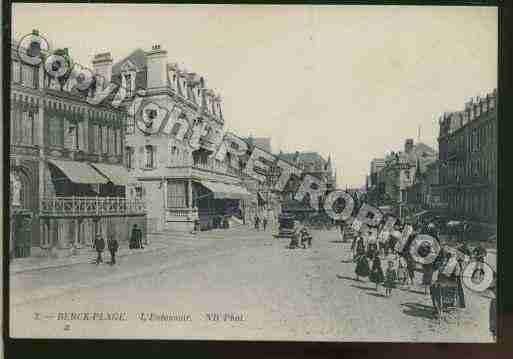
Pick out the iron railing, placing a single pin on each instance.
(91, 206)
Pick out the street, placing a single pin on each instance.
(259, 290)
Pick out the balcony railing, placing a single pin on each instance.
(181, 214)
(91, 206)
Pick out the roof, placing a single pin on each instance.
(304, 157)
(137, 57)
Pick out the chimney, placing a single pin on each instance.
(156, 61)
(408, 145)
(102, 65)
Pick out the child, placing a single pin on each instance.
(376, 274)
(390, 278)
(401, 271)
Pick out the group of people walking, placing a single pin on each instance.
(300, 237)
(135, 242)
(257, 222)
(445, 291)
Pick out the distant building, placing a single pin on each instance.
(262, 142)
(468, 158)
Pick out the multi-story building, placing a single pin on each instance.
(425, 192)
(400, 169)
(175, 121)
(468, 158)
(313, 164)
(66, 167)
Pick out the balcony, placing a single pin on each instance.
(181, 214)
(91, 207)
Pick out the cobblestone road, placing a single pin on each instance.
(281, 294)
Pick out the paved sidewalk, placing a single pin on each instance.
(156, 241)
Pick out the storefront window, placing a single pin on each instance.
(56, 131)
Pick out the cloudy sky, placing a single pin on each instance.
(350, 81)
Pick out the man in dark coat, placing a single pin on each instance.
(113, 246)
(99, 245)
(136, 238)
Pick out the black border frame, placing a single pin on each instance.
(72, 347)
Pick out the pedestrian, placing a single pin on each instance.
(113, 246)
(479, 253)
(493, 314)
(362, 264)
(99, 245)
(376, 274)
(306, 238)
(390, 279)
(402, 274)
(358, 246)
(427, 276)
(257, 223)
(410, 267)
(372, 250)
(342, 228)
(264, 223)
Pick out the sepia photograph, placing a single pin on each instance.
(312, 173)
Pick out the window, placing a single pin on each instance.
(16, 71)
(176, 194)
(150, 157)
(129, 157)
(28, 76)
(105, 139)
(130, 125)
(138, 193)
(56, 131)
(175, 129)
(128, 79)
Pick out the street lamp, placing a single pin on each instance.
(272, 175)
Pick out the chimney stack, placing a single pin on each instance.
(102, 65)
(156, 61)
(408, 145)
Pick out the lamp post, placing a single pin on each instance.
(272, 175)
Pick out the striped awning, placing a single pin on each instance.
(226, 191)
(118, 175)
(79, 172)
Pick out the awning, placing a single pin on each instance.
(226, 191)
(79, 172)
(116, 174)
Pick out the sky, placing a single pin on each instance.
(352, 82)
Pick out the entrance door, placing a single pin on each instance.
(22, 235)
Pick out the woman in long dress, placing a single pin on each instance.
(376, 275)
(362, 265)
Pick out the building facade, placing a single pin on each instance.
(398, 173)
(66, 167)
(468, 157)
(175, 124)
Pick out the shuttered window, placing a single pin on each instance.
(176, 194)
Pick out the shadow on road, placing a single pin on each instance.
(364, 288)
(419, 310)
(346, 261)
(380, 295)
(348, 278)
